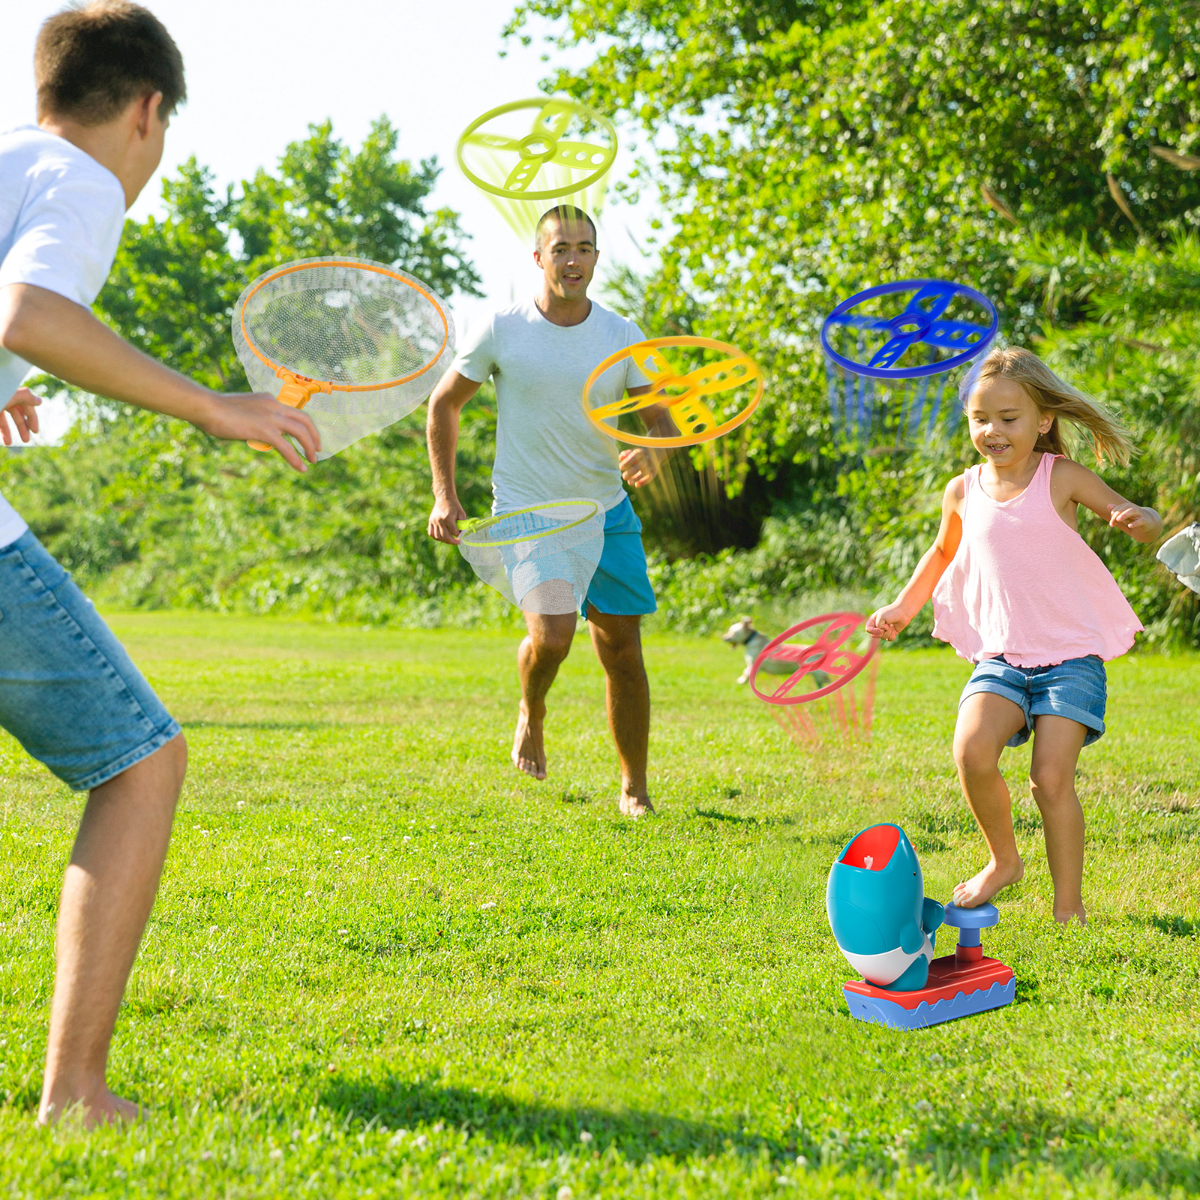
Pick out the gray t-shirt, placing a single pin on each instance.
(546, 448)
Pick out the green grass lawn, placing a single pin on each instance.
(382, 964)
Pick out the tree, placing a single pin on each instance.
(159, 512)
(805, 148)
(1137, 348)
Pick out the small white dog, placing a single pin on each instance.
(742, 633)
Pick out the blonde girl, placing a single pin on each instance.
(1018, 592)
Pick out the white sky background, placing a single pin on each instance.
(260, 71)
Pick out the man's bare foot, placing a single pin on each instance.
(636, 806)
(1067, 913)
(528, 752)
(979, 889)
(107, 1108)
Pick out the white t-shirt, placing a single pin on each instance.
(61, 216)
(546, 448)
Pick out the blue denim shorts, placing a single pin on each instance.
(69, 693)
(1077, 688)
(621, 584)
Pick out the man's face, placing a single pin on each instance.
(567, 256)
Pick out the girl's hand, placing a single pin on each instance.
(887, 622)
(23, 410)
(1142, 524)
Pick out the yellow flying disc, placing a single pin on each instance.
(688, 392)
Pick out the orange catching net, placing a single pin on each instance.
(355, 343)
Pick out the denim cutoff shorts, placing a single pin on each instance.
(1077, 688)
(69, 693)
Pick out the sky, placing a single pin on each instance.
(260, 71)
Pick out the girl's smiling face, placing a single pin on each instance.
(1004, 421)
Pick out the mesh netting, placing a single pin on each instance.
(542, 558)
(379, 337)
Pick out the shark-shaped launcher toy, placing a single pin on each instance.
(885, 925)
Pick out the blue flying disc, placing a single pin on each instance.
(920, 321)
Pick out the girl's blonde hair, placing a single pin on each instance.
(1108, 437)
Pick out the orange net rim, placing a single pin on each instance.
(358, 265)
(689, 439)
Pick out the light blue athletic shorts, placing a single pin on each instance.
(68, 691)
(621, 584)
(1076, 688)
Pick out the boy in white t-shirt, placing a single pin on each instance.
(108, 76)
(539, 355)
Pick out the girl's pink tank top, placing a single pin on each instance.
(1025, 584)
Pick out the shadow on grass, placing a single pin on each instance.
(1075, 1146)
(715, 814)
(635, 1134)
(1171, 925)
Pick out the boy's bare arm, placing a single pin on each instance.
(886, 622)
(65, 339)
(441, 433)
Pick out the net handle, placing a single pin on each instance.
(476, 523)
(281, 370)
(297, 391)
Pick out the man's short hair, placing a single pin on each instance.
(92, 59)
(564, 214)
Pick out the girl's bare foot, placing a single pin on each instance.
(528, 752)
(994, 878)
(1066, 913)
(107, 1108)
(635, 806)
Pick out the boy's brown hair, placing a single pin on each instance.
(92, 59)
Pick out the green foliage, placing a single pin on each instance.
(804, 148)
(807, 148)
(382, 964)
(1137, 351)
(151, 511)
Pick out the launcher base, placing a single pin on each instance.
(955, 989)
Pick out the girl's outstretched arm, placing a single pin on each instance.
(1073, 483)
(886, 622)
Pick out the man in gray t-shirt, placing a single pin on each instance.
(539, 354)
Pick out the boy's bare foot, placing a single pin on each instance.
(1067, 913)
(528, 752)
(636, 806)
(105, 1109)
(979, 889)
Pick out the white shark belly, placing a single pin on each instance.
(885, 968)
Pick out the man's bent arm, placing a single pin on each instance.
(441, 433)
(64, 339)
